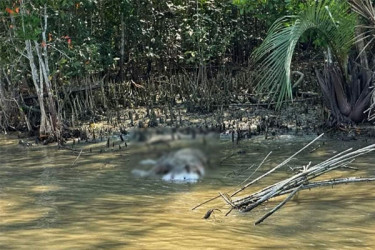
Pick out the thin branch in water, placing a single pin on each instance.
(205, 202)
(262, 176)
(278, 166)
(279, 206)
(332, 182)
(77, 157)
(265, 158)
(227, 199)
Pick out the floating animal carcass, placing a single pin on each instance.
(185, 165)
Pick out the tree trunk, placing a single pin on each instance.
(336, 97)
(49, 124)
(2, 95)
(45, 127)
(3, 108)
(122, 48)
(46, 73)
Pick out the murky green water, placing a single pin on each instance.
(45, 203)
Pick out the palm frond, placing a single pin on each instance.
(365, 9)
(334, 23)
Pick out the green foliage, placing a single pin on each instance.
(334, 25)
(269, 10)
(208, 33)
(84, 37)
(159, 35)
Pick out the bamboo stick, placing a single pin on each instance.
(297, 182)
(278, 206)
(264, 175)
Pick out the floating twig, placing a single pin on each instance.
(264, 175)
(278, 206)
(300, 181)
(77, 158)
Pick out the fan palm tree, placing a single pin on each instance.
(365, 40)
(365, 9)
(334, 24)
(345, 86)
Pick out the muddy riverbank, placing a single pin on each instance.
(235, 122)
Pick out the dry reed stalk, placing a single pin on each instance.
(295, 183)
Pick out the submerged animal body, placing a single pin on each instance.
(182, 165)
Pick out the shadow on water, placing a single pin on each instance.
(98, 204)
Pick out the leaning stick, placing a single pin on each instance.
(264, 175)
(275, 190)
(285, 186)
(332, 182)
(77, 158)
(227, 199)
(299, 181)
(280, 188)
(280, 205)
(265, 158)
(205, 202)
(277, 167)
(309, 186)
(214, 198)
